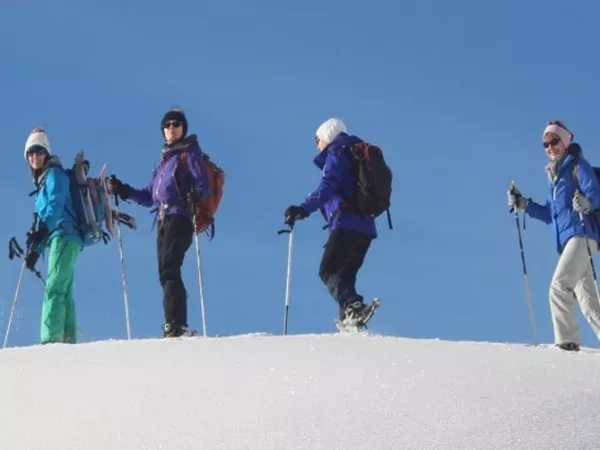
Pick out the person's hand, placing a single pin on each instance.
(294, 213)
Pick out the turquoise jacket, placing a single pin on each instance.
(54, 204)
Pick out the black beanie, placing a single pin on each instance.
(174, 114)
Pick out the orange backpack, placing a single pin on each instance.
(204, 211)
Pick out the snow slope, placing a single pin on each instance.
(298, 392)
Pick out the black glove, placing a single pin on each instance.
(31, 260)
(117, 187)
(34, 238)
(294, 213)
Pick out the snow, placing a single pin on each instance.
(298, 392)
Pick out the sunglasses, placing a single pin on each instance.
(36, 150)
(317, 140)
(175, 123)
(554, 141)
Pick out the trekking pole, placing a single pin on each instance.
(14, 305)
(200, 280)
(14, 249)
(525, 274)
(124, 278)
(289, 231)
(587, 243)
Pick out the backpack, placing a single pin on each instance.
(91, 202)
(374, 180)
(203, 213)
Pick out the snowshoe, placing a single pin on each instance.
(357, 314)
(174, 331)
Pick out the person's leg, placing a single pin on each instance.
(587, 294)
(70, 256)
(60, 274)
(343, 256)
(571, 268)
(179, 232)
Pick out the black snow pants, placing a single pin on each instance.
(175, 234)
(344, 255)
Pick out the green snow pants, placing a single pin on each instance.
(59, 323)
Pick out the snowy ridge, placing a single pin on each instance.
(298, 392)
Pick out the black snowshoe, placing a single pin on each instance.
(174, 331)
(356, 316)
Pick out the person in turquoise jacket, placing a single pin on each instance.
(573, 197)
(57, 231)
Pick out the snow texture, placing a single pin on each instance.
(298, 392)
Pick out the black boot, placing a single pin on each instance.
(569, 346)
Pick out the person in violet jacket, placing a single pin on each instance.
(350, 233)
(172, 189)
(573, 197)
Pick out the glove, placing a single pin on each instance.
(35, 238)
(117, 187)
(31, 260)
(580, 203)
(294, 213)
(516, 200)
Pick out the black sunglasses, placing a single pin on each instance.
(35, 150)
(554, 141)
(175, 123)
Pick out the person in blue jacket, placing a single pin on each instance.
(573, 197)
(57, 230)
(179, 181)
(350, 233)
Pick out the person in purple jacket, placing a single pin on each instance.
(350, 233)
(172, 188)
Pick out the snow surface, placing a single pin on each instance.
(298, 392)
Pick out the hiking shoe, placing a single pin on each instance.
(569, 346)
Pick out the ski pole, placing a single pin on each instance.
(14, 305)
(289, 231)
(15, 250)
(200, 280)
(587, 243)
(525, 274)
(124, 279)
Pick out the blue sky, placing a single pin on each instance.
(456, 93)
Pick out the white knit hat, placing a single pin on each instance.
(330, 129)
(37, 137)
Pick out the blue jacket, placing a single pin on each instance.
(558, 209)
(54, 204)
(168, 185)
(338, 184)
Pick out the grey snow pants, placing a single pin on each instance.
(573, 274)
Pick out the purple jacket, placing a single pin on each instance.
(338, 184)
(169, 183)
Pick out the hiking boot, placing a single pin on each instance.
(170, 330)
(569, 346)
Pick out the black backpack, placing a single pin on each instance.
(374, 181)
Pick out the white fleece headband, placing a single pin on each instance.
(564, 135)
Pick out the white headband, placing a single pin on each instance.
(564, 135)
